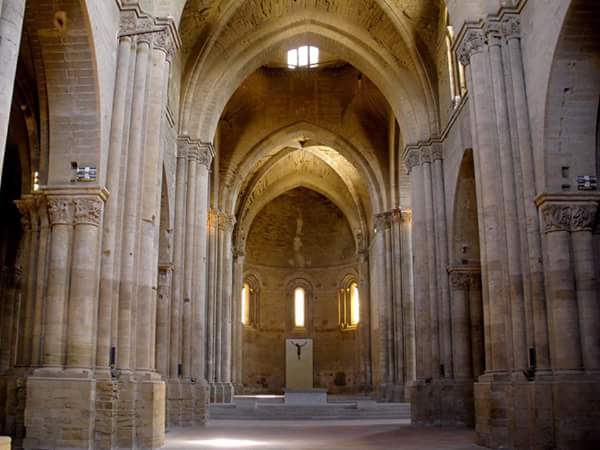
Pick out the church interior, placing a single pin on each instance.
(287, 224)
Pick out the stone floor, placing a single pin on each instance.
(320, 435)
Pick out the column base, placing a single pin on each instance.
(221, 392)
(71, 402)
(174, 403)
(200, 395)
(441, 402)
(150, 412)
(107, 403)
(390, 393)
(555, 410)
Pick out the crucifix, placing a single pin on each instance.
(299, 348)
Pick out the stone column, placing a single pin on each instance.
(582, 223)
(199, 308)
(477, 323)
(165, 275)
(420, 387)
(189, 262)
(364, 330)
(83, 298)
(211, 307)
(237, 342)
(108, 290)
(461, 338)
(562, 305)
(380, 258)
(11, 25)
(398, 294)
(517, 357)
(430, 228)
(441, 242)
(41, 281)
(423, 369)
(473, 53)
(528, 175)
(60, 214)
(226, 305)
(30, 239)
(145, 321)
(408, 304)
(131, 217)
(178, 260)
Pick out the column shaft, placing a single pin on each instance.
(518, 356)
(434, 300)
(111, 212)
(129, 256)
(442, 260)
(189, 262)
(178, 255)
(534, 250)
(60, 212)
(83, 298)
(150, 214)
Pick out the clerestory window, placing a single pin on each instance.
(305, 56)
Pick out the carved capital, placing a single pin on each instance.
(583, 217)
(88, 211)
(556, 217)
(383, 221)
(472, 42)
(460, 281)
(413, 159)
(494, 32)
(205, 154)
(511, 27)
(407, 215)
(426, 155)
(437, 153)
(60, 211)
(226, 222)
(29, 213)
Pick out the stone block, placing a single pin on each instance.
(60, 413)
(150, 414)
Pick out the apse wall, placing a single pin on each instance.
(300, 239)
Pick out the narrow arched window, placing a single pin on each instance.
(246, 304)
(354, 304)
(299, 308)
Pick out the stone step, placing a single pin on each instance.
(334, 411)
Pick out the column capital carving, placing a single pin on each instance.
(213, 218)
(494, 31)
(383, 221)
(437, 153)
(28, 207)
(568, 212)
(412, 160)
(460, 281)
(206, 153)
(88, 211)
(407, 215)
(160, 32)
(426, 155)
(60, 210)
(226, 221)
(472, 42)
(511, 25)
(195, 150)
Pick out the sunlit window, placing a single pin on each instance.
(299, 308)
(305, 56)
(354, 305)
(246, 304)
